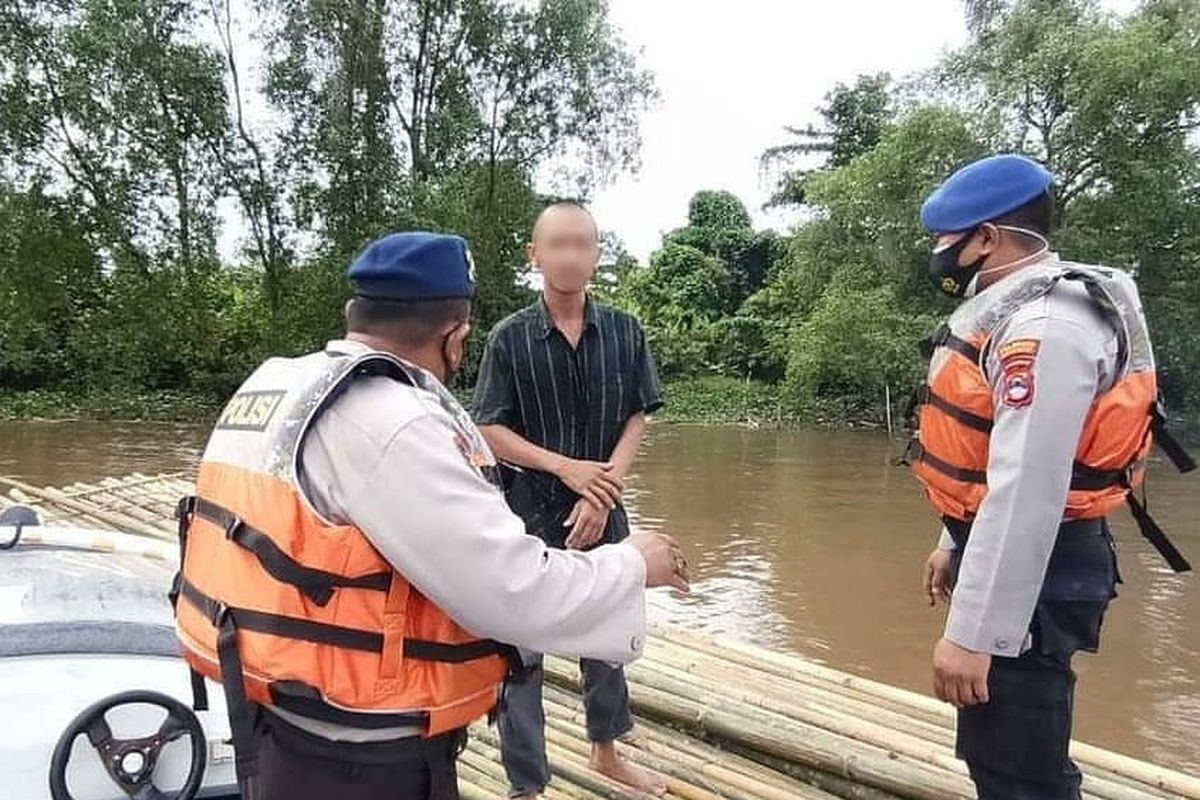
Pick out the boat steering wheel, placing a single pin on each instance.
(131, 762)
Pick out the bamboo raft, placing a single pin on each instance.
(719, 717)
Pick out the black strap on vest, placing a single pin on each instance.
(1154, 534)
(199, 688)
(280, 625)
(1168, 443)
(926, 396)
(943, 337)
(918, 453)
(1083, 477)
(199, 692)
(316, 584)
(241, 712)
(1090, 479)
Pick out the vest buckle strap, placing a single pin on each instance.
(217, 613)
(1167, 442)
(185, 507)
(232, 526)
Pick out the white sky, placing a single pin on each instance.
(732, 75)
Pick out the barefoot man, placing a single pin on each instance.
(563, 393)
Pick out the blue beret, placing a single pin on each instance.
(414, 266)
(982, 191)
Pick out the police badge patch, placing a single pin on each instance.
(1016, 365)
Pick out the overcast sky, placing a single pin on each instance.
(731, 75)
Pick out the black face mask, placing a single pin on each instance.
(946, 273)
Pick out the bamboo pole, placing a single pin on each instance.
(892, 741)
(128, 494)
(564, 763)
(485, 743)
(799, 669)
(754, 657)
(1174, 783)
(474, 768)
(134, 479)
(772, 733)
(694, 776)
(568, 738)
(822, 700)
(51, 515)
(106, 497)
(653, 735)
(1103, 783)
(54, 497)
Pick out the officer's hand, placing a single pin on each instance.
(937, 576)
(960, 676)
(587, 525)
(594, 481)
(665, 562)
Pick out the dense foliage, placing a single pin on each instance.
(129, 133)
(1110, 104)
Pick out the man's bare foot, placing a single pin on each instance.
(607, 762)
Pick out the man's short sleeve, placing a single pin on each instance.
(649, 388)
(495, 394)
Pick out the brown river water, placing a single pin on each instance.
(810, 542)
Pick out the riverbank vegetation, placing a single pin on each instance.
(833, 313)
(135, 147)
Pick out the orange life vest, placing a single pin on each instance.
(290, 610)
(949, 453)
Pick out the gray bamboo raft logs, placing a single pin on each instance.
(718, 717)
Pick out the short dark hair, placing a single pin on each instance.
(577, 205)
(1036, 215)
(412, 322)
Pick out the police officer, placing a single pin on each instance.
(350, 566)
(1035, 423)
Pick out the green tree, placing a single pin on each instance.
(857, 344)
(866, 215)
(719, 226)
(113, 98)
(51, 279)
(475, 95)
(854, 121)
(1111, 105)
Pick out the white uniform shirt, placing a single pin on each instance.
(1032, 449)
(385, 458)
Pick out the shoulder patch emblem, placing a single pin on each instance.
(1019, 348)
(476, 458)
(1016, 364)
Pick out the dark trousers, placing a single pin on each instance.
(1016, 745)
(605, 693)
(523, 722)
(295, 765)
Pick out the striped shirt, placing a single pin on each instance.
(570, 400)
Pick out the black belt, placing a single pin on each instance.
(960, 531)
(379, 753)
